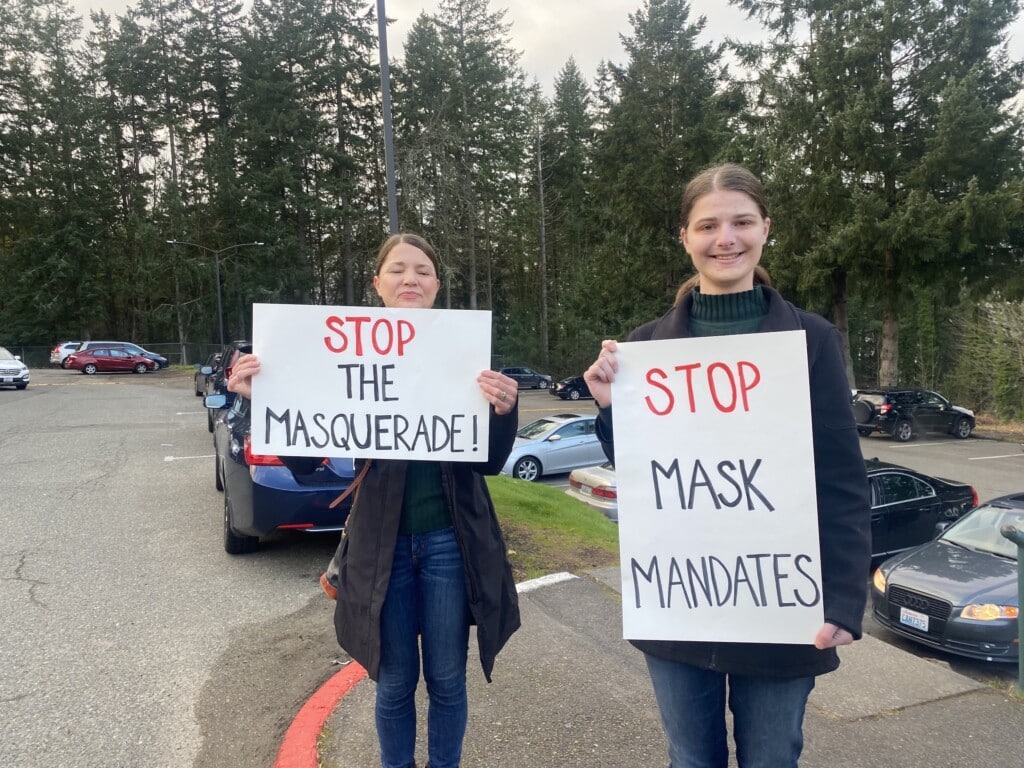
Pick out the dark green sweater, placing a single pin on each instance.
(423, 507)
(727, 313)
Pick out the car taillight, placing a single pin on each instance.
(886, 407)
(259, 459)
(575, 483)
(606, 492)
(974, 497)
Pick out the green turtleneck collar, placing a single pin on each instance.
(727, 313)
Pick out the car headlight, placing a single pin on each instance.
(878, 580)
(989, 612)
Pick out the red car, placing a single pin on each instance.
(109, 360)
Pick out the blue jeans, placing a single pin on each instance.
(426, 602)
(768, 714)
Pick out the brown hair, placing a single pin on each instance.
(416, 241)
(732, 178)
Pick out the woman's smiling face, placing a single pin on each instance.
(407, 278)
(724, 237)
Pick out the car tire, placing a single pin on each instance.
(527, 468)
(218, 478)
(20, 386)
(233, 543)
(141, 368)
(963, 428)
(156, 365)
(209, 420)
(574, 395)
(64, 363)
(199, 392)
(89, 369)
(542, 384)
(863, 412)
(865, 431)
(903, 431)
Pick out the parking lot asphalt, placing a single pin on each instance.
(569, 691)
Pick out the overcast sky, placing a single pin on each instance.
(548, 32)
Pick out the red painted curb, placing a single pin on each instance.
(298, 749)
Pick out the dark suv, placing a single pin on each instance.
(527, 377)
(902, 412)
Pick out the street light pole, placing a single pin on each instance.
(385, 91)
(216, 269)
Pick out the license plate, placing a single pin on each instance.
(914, 619)
(586, 490)
(7, 380)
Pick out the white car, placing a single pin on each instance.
(554, 444)
(595, 486)
(13, 372)
(59, 355)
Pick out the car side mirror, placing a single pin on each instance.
(206, 370)
(216, 401)
(554, 438)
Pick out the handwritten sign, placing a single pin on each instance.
(718, 527)
(370, 382)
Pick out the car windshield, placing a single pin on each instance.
(979, 530)
(538, 429)
(5, 354)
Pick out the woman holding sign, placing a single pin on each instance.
(725, 225)
(422, 556)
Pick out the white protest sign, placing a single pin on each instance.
(370, 382)
(714, 464)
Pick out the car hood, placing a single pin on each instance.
(964, 411)
(523, 441)
(953, 573)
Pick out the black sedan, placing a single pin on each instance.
(261, 494)
(572, 388)
(909, 508)
(959, 592)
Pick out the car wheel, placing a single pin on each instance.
(527, 468)
(218, 478)
(20, 386)
(862, 412)
(156, 365)
(574, 395)
(543, 384)
(64, 363)
(963, 428)
(233, 543)
(865, 431)
(209, 420)
(141, 368)
(903, 431)
(89, 368)
(199, 392)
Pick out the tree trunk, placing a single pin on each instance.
(888, 363)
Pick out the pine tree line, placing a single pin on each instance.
(886, 132)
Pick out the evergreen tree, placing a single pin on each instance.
(669, 116)
(894, 163)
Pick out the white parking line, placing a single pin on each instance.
(1003, 456)
(930, 443)
(187, 458)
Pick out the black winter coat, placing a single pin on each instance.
(844, 508)
(368, 547)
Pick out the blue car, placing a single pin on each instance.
(261, 494)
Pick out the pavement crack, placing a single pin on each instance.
(20, 577)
